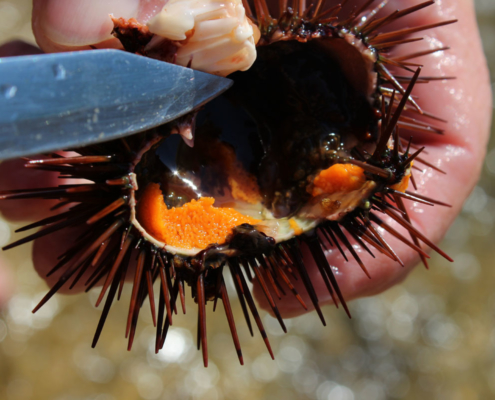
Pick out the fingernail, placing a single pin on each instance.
(80, 23)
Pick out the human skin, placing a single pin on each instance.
(61, 25)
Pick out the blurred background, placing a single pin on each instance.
(432, 337)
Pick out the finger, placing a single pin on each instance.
(14, 176)
(64, 24)
(18, 48)
(46, 255)
(61, 25)
(466, 104)
(10, 49)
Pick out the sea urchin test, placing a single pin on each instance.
(305, 149)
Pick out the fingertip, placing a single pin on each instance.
(72, 24)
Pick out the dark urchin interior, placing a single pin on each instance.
(294, 112)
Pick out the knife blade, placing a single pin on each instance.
(57, 101)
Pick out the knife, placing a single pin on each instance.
(67, 100)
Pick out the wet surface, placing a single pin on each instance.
(432, 337)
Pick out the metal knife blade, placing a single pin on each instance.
(67, 100)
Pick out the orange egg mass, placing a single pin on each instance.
(338, 178)
(403, 184)
(196, 224)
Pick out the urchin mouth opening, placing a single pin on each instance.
(301, 108)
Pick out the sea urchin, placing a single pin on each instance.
(304, 149)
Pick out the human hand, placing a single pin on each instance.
(61, 25)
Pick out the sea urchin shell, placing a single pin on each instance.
(305, 148)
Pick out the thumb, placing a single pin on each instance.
(61, 25)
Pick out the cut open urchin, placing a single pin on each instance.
(305, 148)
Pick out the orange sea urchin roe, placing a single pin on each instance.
(403, 184)
(196, 224)
(243, 185)
(338, 178)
